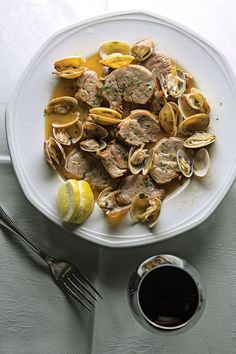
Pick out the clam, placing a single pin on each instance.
(199, 139)
(117, 60)
(192, 124)
(70, 68)
(114, 47)
(105, 116)
(141, 50)
(140, 159)
(145, 209)
(61, 105)
(92, 145)
(173, 84)
(201, 163)
(193, 103)
(185, 163)
(169, 117)
(54, 153)
(107, 201)
(68, 133)
(92, 130)
(115, 54)
(92, 137)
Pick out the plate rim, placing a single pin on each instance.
(117, 242)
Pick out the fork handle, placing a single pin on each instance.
(6, 221)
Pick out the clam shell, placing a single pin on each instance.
(111, 47)
(68, 133)
(107, 201)
(61, 105)
(168, 119)
(54, 153)
(105, 116)
(201, 163)
(94, 131)
(145, 209)
(70, 68)
(140, 159)
(192, 124)
(197, 101)
(117, 60)
(185, 163)
(142, 50)
(91, 145)
(173, 85)
(193, 103)
(199, 139)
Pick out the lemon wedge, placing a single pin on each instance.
(75, 201)
(86, 204)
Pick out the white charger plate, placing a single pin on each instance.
(182, 210)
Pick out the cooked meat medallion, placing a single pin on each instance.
(131, 83)
(140, 127)
(159, 64)
(82, 165)
(114, 159)
(132, 185)
(165, 167)
(87, 86)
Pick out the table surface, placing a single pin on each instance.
(36, 317)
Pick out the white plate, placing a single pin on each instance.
(182, 210)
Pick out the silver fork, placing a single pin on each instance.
(68, 277)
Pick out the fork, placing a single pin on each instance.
(68, 277)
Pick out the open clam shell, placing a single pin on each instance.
(140, 159)
(107, 201)
(61, 105)
(173, 85)
(54, 153)
(192, 124)
(199, 139)
(70, 68)
(92, 145)
(145, 209)
(112, 47)
(193, 103)
(185, 163)
(105, 116)
(68, 133)
(201, 163)
(93, 130)
(142, 49)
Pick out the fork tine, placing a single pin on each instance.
(75, 296)
(76, 279)
(81, 275)
(79, 291)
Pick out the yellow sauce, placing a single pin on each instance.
(65, 87)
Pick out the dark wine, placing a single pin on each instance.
(168, 296)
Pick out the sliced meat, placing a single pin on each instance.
(87, 86)
(82, 165)
(132, 185)
(131, 83)
(159, 64)
(157, 102)
(115, 159)
(140, 127)
(165, 167)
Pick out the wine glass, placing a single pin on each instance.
(166, 294)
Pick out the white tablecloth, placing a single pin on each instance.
(35, 316)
